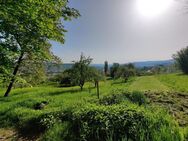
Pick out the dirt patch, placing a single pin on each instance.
(7, 134)
(175, 102)
(13, 135)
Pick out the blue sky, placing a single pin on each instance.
(115, 31)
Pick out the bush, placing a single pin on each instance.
(56, 133)
(136, 97)
(64, 79)
(120, 96)
(182, 59)
(185, 131)
(120, 122)
(38, 125)
(111, 99)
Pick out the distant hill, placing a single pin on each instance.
(141, 64)
(152, 63)
(54, 69)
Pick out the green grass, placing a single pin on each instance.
(18, 108)
(145, 83)
(177, 82)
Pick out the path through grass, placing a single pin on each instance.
(146, 83)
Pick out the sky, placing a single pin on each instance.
(124, 31)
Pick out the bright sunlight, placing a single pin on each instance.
(152, 8)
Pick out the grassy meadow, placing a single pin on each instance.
(22, 109)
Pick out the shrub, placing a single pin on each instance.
(120, 96)
(64, 78)
(118, 122)
(182, 59)
(185, 131)
(56, 133)
(48, 120)
(66, 81)
(136, 97)
(38, 124)
(31, 126)
(111, 99)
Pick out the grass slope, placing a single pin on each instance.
(177, 82)
(19, 106)
(146, 83)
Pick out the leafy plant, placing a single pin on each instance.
(98, 123)
(182, 59)
(136, 97)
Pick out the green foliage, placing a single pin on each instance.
(106, 68)
(56, 133)
(114, 69)
(95, 75)
(182, 59)
(80, 71)
(48, 120)
(136, 97)
(120, 96)
(19, 110)
(123, 71)
(26, 26)
(64, 79)
(68, 77)
(118, 122)
(111, 99)
(185, 131)
(7, 55)
(36, 74)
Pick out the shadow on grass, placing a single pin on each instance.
(181, 74)
(118, 82)
(30, 131)
(70, 91)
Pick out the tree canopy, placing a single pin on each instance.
(81, 71)
(27, 26)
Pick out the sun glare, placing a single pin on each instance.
(152, 8)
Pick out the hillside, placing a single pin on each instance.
(23, 107)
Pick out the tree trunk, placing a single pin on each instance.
(14, 75)
(81, 87)
(81, 84)
(97, 89)
(95, 84)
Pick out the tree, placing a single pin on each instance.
(64, 78)
(106, 68)
(7, 57)
(181, 58)
(114, 69)
(29, 25)
(125, 72)
(36, 73)
(130, 66)
(95, 75)
(81, 71)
